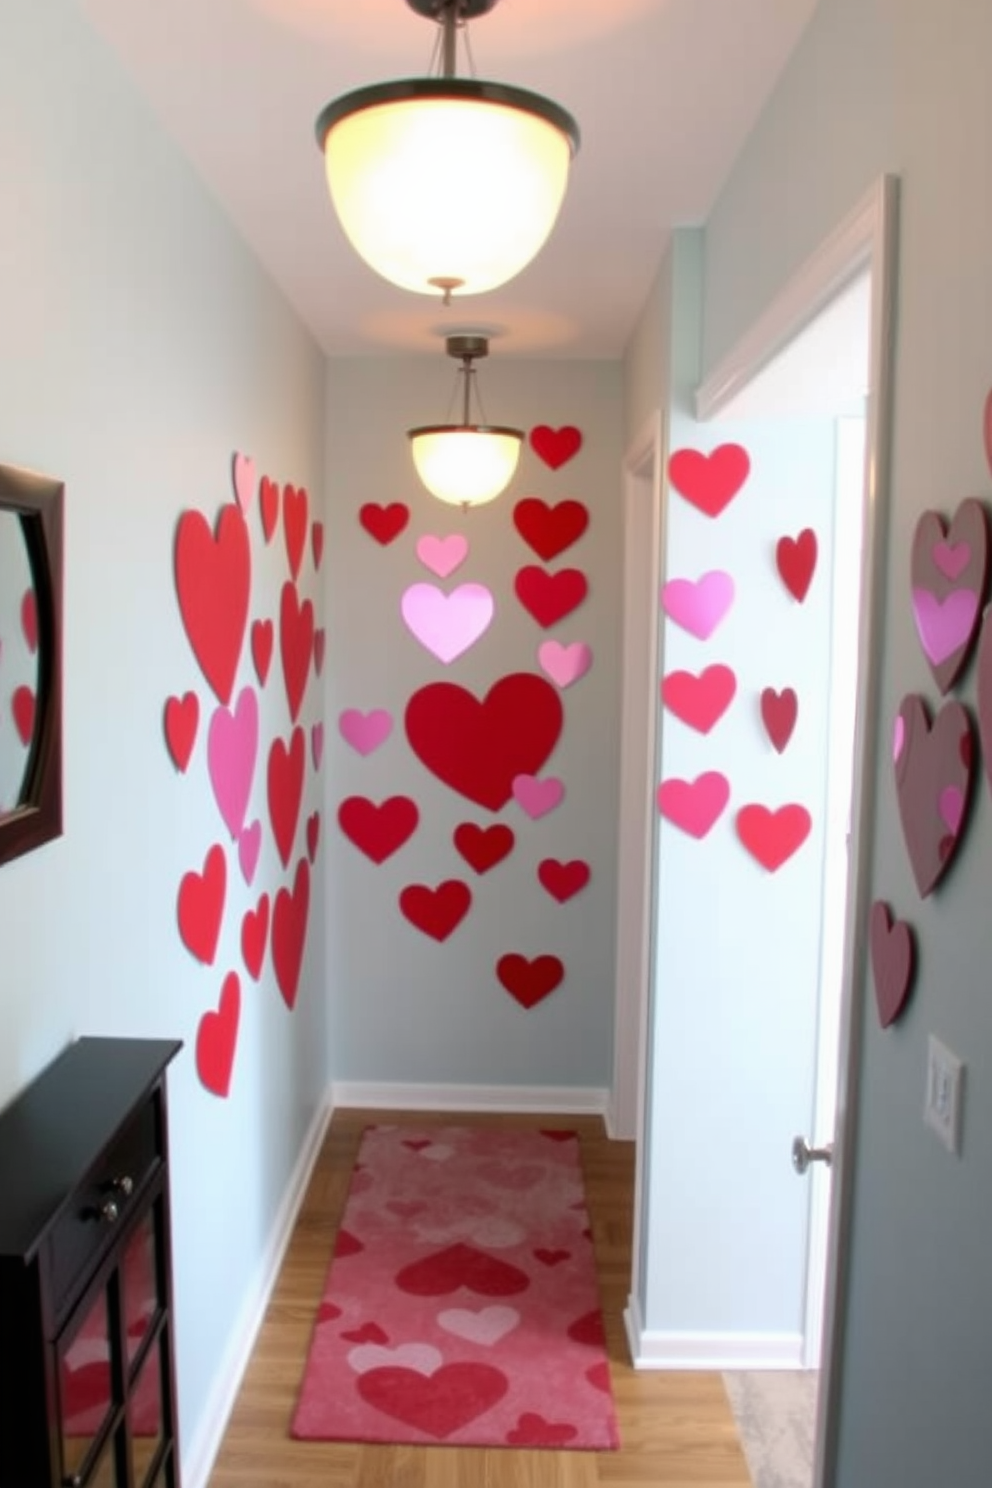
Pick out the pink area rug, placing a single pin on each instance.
(461, 1305)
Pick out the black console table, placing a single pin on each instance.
(87, 1372)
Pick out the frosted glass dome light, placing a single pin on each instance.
(466, 464)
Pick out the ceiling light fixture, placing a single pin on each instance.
(445, 184)
(466, 464)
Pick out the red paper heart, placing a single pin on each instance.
(892, 962)
(317, 542)
(213, 580)
(555, 446)
(533, 1430)
(289, 931)
(22, 707)
(563, 880)
(384, 523)
(254, 935)
(779, 711)
(29, 619)
(552, 1257)
(319, 638)
(478, 748)
(549, 530)
(437, 912)
(550, 597)
(201, 906)
(268, 501)
(285, 790)
(444, 1271)
(294, 526)
(295, 645)
(700, 701)
(436, 1404)
(773, 836)
(313, 834)
(182, 718)
(261, 648)
(796, 561)
(378, 831)
(217, 1037)
(529, 982)
(483, 847)
(710, 481)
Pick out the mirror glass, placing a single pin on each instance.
(18, 661)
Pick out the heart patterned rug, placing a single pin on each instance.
(462, 1305)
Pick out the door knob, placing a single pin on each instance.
(803, 1154)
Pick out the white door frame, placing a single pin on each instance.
(866, 239)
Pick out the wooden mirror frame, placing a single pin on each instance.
(37, 817)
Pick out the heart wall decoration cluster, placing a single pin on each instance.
(770, 833)
(491, 748)
(18, 677)
(259, 655)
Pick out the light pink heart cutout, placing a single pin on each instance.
(447, 624)
(249, 847)
(694, 805)
(244, 481)
(944, 626)
(951, 558)
(365, 731)
(537, 797)
(232, 747)
(317, 744)
(564, 664)
(699, 605)
(442, 555)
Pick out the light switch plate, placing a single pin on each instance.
(944, 1094)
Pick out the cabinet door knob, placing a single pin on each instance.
(110, 1211)
(124, 1185)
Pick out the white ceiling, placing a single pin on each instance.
(664, 92)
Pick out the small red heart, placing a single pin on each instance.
(529, 982)
(254, 936)
(182, 718)
(563, 880)
(378, 831)
(285, 790)
(552, 1257)
(201, 906)
(700, 701)
(444, 1271)
(319, 640)
(295, 645)
(589, 1329)
(347, 1244)
(216, 1039)
(779, 711)
(892, 962)
(550, 597)
(773, 836)
(327, 1312)
(368, 1333)
(437, 912)
(313, 834)
(549, 530)
(796, 560)
(384, 523)
(289, 929)
(483, 847)
(317, 542)
(262, 633)
(294, 523)
(269, 505)
(555, 446)
(29, 619)
(533, 1430)
(710, 481)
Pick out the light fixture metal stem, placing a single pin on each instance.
(449, 23)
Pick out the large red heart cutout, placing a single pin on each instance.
(384, 523)
(437, 912)
(201, 906)
(289, 932)
(933, 766)
(948, 576)
(268, 501)
(217, 1037)
(529, 982)
(294, 526)
(378, 831)
(563, 880)
(710, 482)
(479, 748)
(773, 836)
(285, 790)
(261, 648)
(444, 1271)
(795, 558)
(254, 936)
(483, 847)
(437, 1404)
(779, 711)
(700, 701)
(550, 597)
(555, 446)
(548, 529)
(213, 581)
(182, 718)
(892, 962)
(295, 645)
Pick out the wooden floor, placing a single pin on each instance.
(677, 1430)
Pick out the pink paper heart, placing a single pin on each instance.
(365, 731)
(564, 664)
(244, 481)
(232, 746)
(249, 846)
(317, 744)
(442, 555)
(694, 805)
(944, 626)
(447, 624)
(952, 558)
(537, 797)
(699, 605)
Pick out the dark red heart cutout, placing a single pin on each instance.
(201, 906)
(289, 932)
(384, 523)
(533, 1430)
(182, 718)
(213, 581)
(478, 748)
(22, 708)
(710, 482)
(294, 526)
(254, 937)
(378, 831)
(444, 1271)
(268, 502)
(933, 766)
(773, 836)
(483, 847)
(29, 619)
(892, 962)
(555, 446)
(779, 711)
(550, 597)
(948, 576)
(368, 1333)
(262, 635)
(550, 529)
(795, 558)
(437, 912)
(217, 1037)
(700, 701)
(563, 880)
(313, 834)
(317, 542)
(529, 982)
(437, 1404)
(285, 790)
(295, 645)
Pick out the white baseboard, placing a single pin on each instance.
(546, 1100)
(659, 1349)
(199, 1455)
